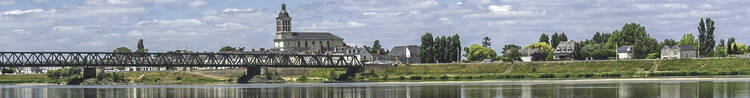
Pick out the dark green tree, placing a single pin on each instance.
(563, 37)
(122, 50)
(555, 40)
(486, 42)
(721, 49)
(731, 47)
(511, 53)
(669, 42)
(227, 48)
(642, 48)
(706, 37)
(140, 44)
(630, 33)
(544, 38)
(455, 49)
(376, 46)
(427, 52)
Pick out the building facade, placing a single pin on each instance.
(625, 52)
(286, 40)
(566, 50)
(406, 54)
(678, 52)
(527, 55)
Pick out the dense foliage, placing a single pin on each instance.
(706, 37)
(477, 53)
(442, 49)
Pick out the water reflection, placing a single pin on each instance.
(572, 90)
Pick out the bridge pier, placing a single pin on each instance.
(250, 72)
(350, 72)
(89, 72)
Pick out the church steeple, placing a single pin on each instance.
(283, 21)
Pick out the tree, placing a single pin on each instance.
(511, 53)
(721, 49)
(630, 33)
(227, 48)
(563, 37)
(555, 40)
(427, 51)
(455, 48)
(688, 40)
(706, 37)
(486, 42)
(140, 44)
(376, 46)
(544, 38)
(477, 53)
(544, 48)
(122, 50)
(642, 48)
(731, 47)
(669, 42)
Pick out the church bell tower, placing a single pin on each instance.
(283, 21)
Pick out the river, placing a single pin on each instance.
(659, 88)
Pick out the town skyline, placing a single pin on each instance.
(209, 25)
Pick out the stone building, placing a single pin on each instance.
(406, 54)
(287, 40)
(678, 52)
(566, 50)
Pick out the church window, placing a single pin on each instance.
(306, 44)
(298, 44)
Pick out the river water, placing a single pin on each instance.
(717, 88)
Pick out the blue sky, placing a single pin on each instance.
(207, 25)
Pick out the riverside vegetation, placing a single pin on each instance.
(438, 72)
(584, 69)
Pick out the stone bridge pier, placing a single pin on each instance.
(89, 72)
(250, 72)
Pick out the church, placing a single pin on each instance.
(287, 40)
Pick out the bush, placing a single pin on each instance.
(63, 73)
(444, 77)
(416, 77)
(303, 78)
(547, 75)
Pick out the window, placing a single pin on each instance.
(328, 43)
(305, 43)
(298, 44)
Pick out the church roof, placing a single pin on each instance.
(315, 35)
(283, 13)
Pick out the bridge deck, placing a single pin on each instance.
(109, 59)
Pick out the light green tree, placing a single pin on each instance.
(688, 40)
(477, 52)
(544, 47)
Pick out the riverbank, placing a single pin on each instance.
(442, 72)
(562, 69)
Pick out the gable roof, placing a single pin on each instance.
(401, 50)
(315, 35)
(625, 49)
(686, 48)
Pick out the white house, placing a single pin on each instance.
(625, 52)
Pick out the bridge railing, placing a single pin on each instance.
(54, 59)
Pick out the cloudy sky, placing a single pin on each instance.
(207, 25)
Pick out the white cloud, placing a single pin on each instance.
(232, 26)
(369, 13)
(177, 22)
(496, 11)
(661, 6)
(229, 10)
(40, 1)
(197, 3)
(20, 12)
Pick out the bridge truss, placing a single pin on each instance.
(109, 59)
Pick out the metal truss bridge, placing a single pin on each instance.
(109, 59)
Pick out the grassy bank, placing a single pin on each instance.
(592, 69)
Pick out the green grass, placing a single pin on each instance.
(591, 69)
